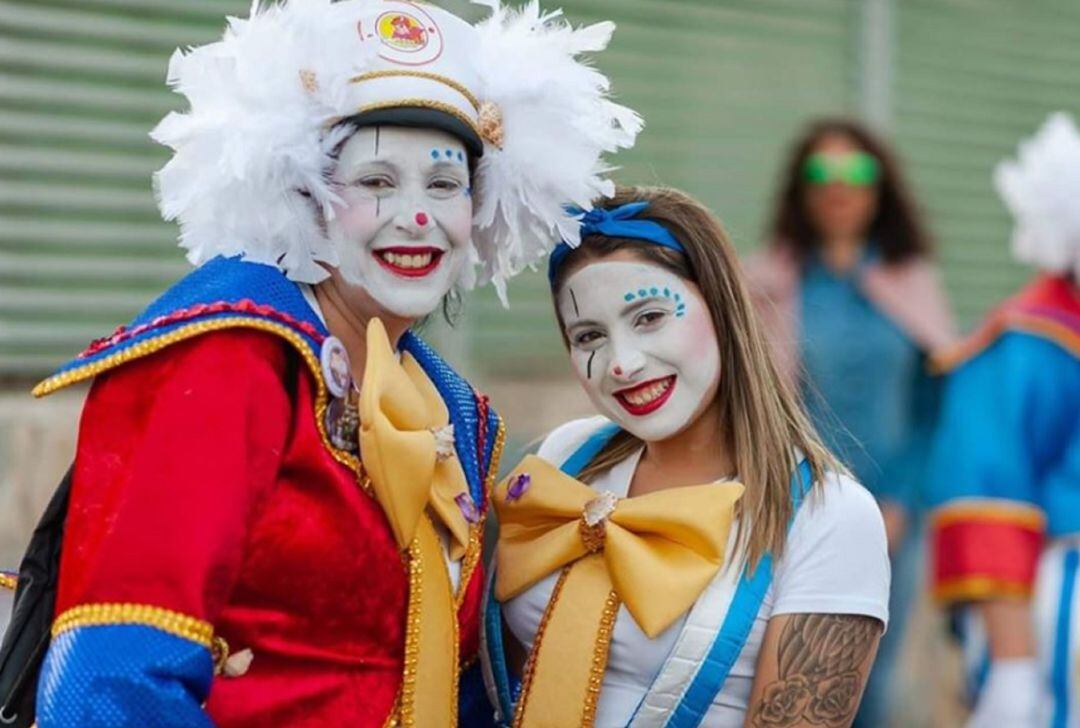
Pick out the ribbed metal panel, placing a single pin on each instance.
(82, 247)
(973, 76)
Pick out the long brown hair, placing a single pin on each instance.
(760, 416)
(897, 229)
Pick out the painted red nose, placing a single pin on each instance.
(618, 371)
(421, 219)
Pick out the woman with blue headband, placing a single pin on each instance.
(694, 555)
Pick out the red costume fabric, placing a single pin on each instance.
(202, 486)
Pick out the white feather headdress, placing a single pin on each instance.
(1041, 188)
(253, 154)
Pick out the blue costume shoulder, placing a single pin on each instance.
(223, 293)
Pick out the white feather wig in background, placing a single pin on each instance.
(1041, 188)
(253, 155)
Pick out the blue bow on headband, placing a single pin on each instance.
(618, 222)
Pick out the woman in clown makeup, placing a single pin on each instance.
(693, 555)
(276, 508)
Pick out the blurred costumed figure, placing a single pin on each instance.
(279, 492)
(1006, 529)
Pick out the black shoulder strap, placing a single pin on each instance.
(28, 634)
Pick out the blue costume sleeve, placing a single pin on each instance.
(1003, 419)
(122, 675)
(1006, 418)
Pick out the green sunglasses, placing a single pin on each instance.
(858, 169)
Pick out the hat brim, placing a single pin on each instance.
(415, 117)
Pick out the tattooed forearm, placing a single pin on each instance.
(821, 662)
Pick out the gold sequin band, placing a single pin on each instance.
(600, 657)
(438, 78)
(530, 663)
(412, 637)
(98, 615)
(8, 582)
(418, 103)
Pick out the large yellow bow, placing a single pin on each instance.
(656, 553)
(406, 449)
(403, 440)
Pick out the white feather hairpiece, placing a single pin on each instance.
(249, 173)
(558, 122)
(252, 157)
(1041, 188)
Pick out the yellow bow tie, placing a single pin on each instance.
(407, 451)
(404, 445)
(656, 553)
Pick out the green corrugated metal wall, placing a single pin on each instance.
(723, 85)
(81, 244)
(972, 78)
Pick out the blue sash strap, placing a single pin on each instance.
(729, 642)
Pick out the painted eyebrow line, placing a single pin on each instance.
(581, 322)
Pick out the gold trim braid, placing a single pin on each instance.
(600, 657)
(98, 615)
(418, 103)
(530, 662)
(438, 78)
(8, 582)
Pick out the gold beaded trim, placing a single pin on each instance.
(412, 633)
(418, 103)
(98, 615)
(151, 346)
(219, 653)
(407, 698)
(439, 78)
(530, 664)
(600, 658)
(8, 582)
(592, 536)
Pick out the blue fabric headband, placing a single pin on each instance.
(618, 222)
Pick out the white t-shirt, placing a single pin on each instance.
(835, 562)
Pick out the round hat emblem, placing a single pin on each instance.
(402, 32)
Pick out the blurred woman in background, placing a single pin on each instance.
(853, 305)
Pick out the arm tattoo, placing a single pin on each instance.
(819, 660)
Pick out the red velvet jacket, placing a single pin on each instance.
(203, 488)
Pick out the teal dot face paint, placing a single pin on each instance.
(656, 292)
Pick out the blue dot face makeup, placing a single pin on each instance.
(657, 292)
(642, 343)
(450, 155)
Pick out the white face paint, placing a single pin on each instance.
(643, 345)
(403, 233)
